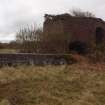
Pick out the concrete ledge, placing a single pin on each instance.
(35, 59)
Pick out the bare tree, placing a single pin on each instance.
(29, 37)
(29, 34)
(80, 13)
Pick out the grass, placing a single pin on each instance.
(8, 51)
(78, 84)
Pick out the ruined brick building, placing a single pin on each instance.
(64, 33)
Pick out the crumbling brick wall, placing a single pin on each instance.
(69, 29)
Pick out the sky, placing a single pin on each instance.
(15, 14)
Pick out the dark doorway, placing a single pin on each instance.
(99, 35)
(78, 47)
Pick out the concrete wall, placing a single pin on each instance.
(35, 59)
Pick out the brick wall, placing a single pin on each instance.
(73, 29)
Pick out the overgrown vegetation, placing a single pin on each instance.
(29, 38)
(78, 84)
(80, 13)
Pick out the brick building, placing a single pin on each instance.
(64, 32)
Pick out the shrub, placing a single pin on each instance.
(80, 13)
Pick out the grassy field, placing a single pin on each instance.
(77, 84)
(8, 51)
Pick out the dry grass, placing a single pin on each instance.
(78, 84)
(8, 51)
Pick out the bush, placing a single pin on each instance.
(80, 13)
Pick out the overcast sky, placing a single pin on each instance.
(15, 14)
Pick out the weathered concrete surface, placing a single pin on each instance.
(35, 59)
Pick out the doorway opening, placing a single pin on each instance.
(78, 47)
